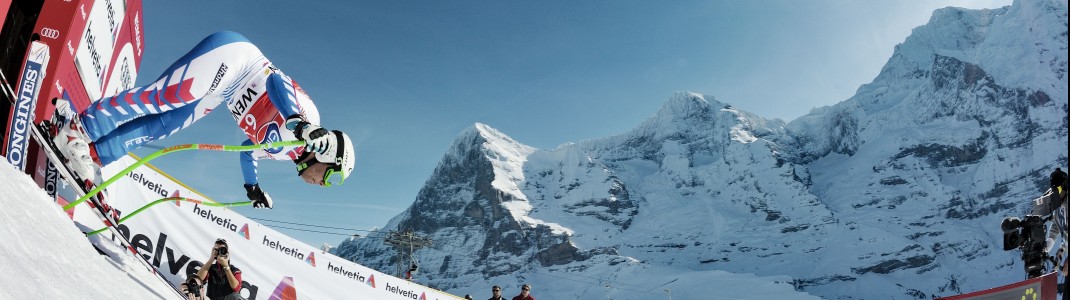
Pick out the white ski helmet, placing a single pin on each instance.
(344, 160)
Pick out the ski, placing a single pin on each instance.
(108, 215)
(103, 211)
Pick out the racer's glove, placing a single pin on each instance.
(259, 198)
(316, 138)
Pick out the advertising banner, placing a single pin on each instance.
(126, 57)
(95, 48)
(60, 25)
(177, 238)
(93, 57)
(1040, 288)
(29, 87)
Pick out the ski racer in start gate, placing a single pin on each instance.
(224, 68)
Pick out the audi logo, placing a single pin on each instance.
(50, 33)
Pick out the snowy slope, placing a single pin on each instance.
(895, 193)
(45, 257)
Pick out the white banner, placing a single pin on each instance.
(97, 43)
(178, 237)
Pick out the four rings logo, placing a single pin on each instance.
(50, 33)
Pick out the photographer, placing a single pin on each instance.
(192, 288)
(222, 280)
(1056, 196)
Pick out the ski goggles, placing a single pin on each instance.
(331, 177)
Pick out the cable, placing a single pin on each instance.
(315, 231)
(309, 225)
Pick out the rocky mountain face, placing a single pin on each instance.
(896, 192)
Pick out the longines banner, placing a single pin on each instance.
(177, 237)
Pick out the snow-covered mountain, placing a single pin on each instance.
(896, 192)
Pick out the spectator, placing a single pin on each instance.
(1059, 227)
(525, 293)
(222, 279)
(496, 293)
(467, 297)
(1058, 178)
(194, 293)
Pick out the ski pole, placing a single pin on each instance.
(169, 199)
(176, 148)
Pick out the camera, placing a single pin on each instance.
(193, 286)
(1027, 234)
(221, 251)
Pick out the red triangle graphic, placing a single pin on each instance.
(311, 258)
(285, 290)
(176, 194)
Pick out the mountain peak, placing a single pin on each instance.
(684, 104)
(491, 139)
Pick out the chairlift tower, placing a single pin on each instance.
(406, 243)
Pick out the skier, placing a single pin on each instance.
(224, 67)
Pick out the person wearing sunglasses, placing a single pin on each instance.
(224, 68)
(525, 293)
(496, 293)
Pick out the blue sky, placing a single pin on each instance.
(404, 77)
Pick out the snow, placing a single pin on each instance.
(507, 156)
(46, 257)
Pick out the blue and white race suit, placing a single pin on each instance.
(223, 68)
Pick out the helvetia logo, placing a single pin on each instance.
(403, 292)
(152, 186)
(292, 252)
(340, 270)
(371, 281)
(222, 222)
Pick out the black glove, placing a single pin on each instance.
(259, 198)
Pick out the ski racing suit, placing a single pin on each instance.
(223, 68)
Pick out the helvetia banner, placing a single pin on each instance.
(177, 238)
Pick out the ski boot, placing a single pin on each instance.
(73, 142)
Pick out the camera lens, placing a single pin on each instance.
(193, 287)
(222, 251)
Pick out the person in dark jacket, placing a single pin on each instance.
(496, 293)
(221, 278)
